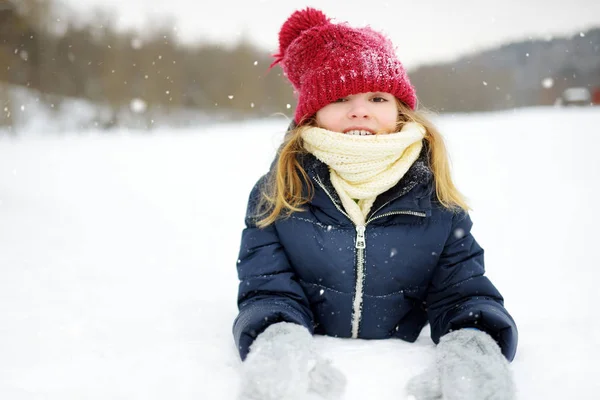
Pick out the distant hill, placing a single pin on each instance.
(513, 75)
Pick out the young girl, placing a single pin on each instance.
(358, 231)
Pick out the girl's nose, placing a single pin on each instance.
(358, 109)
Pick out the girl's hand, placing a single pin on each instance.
(468, 366)
(282, 365)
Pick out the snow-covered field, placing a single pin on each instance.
(118, 254)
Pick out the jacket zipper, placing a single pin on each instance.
(361, 245)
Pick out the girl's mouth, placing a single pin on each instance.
(358, 132)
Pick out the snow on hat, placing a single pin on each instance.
(325, 62)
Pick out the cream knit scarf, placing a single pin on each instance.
(363, 167)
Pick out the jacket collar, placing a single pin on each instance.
(411, 193)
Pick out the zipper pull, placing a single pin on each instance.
(360, 237)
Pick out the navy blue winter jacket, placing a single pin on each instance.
(414, 262)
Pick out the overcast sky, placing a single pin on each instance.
(423, 31)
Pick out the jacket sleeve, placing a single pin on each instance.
(268, 291)
(461, 296)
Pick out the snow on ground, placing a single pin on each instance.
(118, 253)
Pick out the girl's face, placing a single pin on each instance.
(360, 114)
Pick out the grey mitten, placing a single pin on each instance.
(469, 365)
(283, 365)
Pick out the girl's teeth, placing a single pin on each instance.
(358, 132)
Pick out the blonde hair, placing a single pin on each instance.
(285, 186)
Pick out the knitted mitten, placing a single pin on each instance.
(468, 366)
(282, 365)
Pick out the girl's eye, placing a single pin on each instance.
(340, 100)
(379, 99)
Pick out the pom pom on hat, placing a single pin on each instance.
(325, 62)
(297, 23)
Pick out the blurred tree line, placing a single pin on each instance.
(154, 74)
(97, 62)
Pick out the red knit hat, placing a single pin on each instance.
(325, 62)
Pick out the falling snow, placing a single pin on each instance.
(547, 83)
(136, 43)
(138, 106)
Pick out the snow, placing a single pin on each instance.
(547, 83)
(118, 255)
(138, 105)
